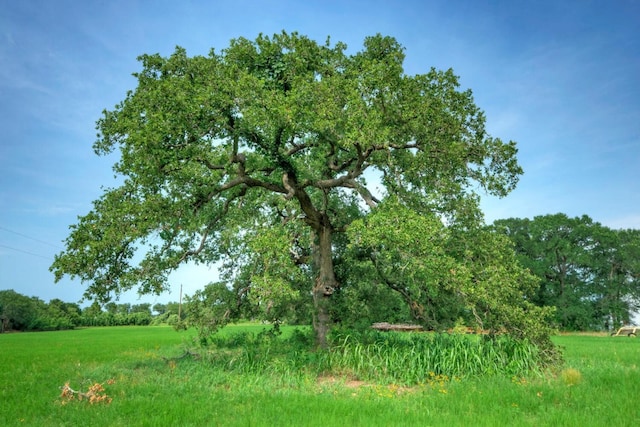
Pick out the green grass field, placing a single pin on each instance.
(600, 386)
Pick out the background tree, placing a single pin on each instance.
(18, 311)
(141, 308)
(58, 314)
(553, 247)
(614, 275)
(123, 308)
(91, 314)
(588, 271)
(21, 313)
(277, 133)
(111, 307)
(160, 309)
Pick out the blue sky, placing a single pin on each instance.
(562, 78)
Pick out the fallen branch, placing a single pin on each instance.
(384, 326)
(95, 394)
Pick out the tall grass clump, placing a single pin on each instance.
(381, 357)
(410, 358)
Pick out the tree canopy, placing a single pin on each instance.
(589, 272)
(263, 155)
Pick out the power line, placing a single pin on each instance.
(25, 252)
(29, 237)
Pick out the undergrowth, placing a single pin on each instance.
(380, 357)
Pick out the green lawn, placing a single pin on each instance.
(600, 387)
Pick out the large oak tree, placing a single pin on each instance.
(259, 155)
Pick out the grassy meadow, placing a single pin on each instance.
(143, 382)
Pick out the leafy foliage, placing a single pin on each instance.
(258, 157)
(444, 274)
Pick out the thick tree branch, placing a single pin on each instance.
(417, 309)
(366, 195)
(208, 164)
(296, 148)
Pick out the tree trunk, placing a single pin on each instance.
(325, 283)
(322, 251)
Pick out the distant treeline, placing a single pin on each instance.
(22, 313)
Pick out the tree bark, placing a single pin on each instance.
(325, 283)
